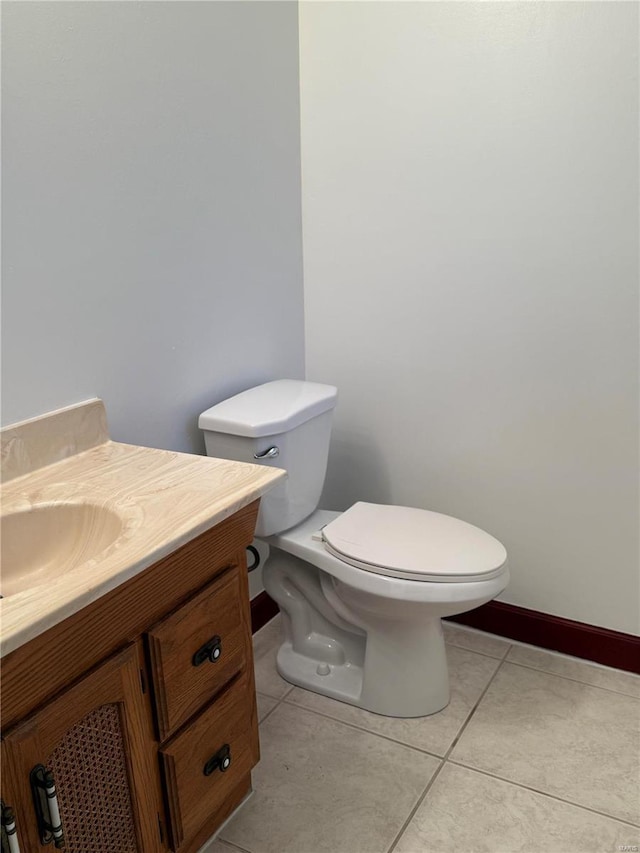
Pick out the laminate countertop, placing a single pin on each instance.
(162, 498)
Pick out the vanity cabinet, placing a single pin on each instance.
(142, 706)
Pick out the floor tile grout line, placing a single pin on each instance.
(476, 652)
(569, 678)
(506, 654)
(472, 712)
(505, 659)
(361, 729)
(584, 661)
(574, 658)
(268, 714)
(422, 798)
(522, 645)
(277, 701)
(488, 773)
(413, 811)
(231, 845)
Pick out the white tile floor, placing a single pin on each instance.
(536, 752)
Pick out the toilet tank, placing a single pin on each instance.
(285, 424)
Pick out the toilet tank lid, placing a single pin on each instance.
(269, 409)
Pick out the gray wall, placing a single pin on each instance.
(471, 243)
(470, 220)
(151, 209)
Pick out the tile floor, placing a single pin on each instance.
(536, 752)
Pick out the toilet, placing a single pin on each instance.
(362, 592)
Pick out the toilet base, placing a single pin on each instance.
(384, 656)
(419, 689)
(338, 681)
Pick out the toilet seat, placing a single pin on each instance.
(414, 544)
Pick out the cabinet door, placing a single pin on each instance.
(96, 738)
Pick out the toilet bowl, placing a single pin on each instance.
(362, 592)
(370, 639)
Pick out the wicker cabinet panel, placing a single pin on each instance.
(92, 780)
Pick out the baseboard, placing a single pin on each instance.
(263, 609)
(600, 645)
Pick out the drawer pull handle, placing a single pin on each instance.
(211, 651)
(220, 761)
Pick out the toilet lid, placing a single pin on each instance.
(417, 544)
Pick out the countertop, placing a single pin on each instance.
(165, 499)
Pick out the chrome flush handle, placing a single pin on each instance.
(270, 453)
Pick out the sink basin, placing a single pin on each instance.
(44, 542)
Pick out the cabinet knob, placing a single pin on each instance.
(211, 651)
(220, 761)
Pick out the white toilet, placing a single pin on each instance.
(361, 592)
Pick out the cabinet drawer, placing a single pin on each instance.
(227, 727)
(196, 649)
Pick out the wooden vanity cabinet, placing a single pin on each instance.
(142, 705)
